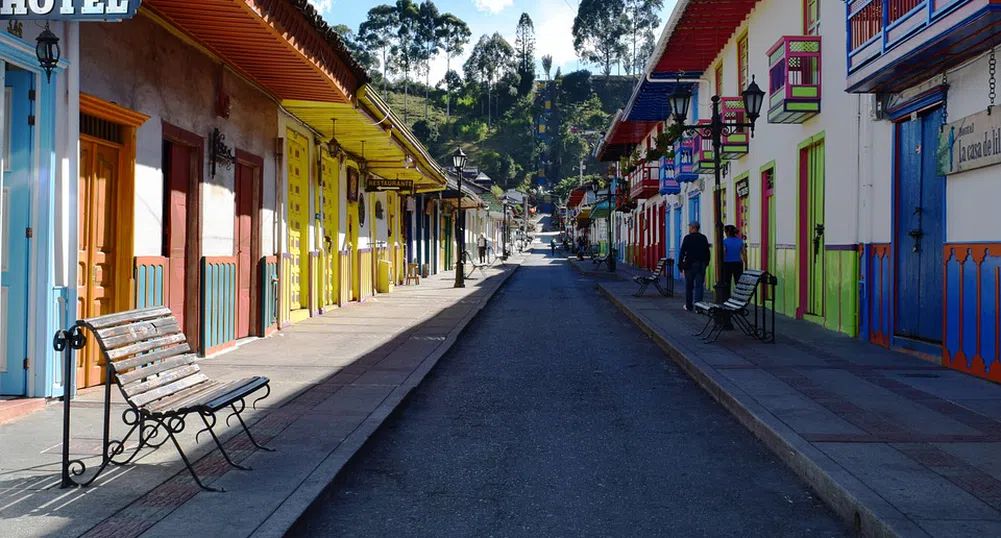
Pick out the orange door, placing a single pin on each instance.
(246, 177)
(179, 183)
(99, 162)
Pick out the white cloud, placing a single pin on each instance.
(493, 6)
(554, 34)
(323, 6)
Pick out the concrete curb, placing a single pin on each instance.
(603, 275)
(285, 516)
(844, 493)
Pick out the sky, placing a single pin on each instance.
(553, 21)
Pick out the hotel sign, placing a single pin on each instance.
(69, 10)
(970, 143)
(378, 184)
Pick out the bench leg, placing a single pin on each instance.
(664, 290)
(721, 323)
(208, 428)
(236, 413)
(639, 292)
(706, 326)
(175, 425)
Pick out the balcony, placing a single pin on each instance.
(794, 79)
(646, 181)
(896, 44)
(703, 161)
(684, 160)
(668, 179)
(735, 145)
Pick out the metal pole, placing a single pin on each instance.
(721, 288)
(610, 260)
(460, 276)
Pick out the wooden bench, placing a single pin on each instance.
(736, 309)
(664, 267)
(148, 358)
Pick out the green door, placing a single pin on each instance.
(812, 243)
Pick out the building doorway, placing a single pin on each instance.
(182, 160)
(918, 225)
(811, 229)
(247, 241)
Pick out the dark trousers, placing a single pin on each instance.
(732, 272)
(695, 284)
(483, 254)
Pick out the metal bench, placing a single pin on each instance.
(737, 309)
(148, 358)
(665, 267)
(473, 265)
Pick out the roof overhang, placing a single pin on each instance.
(372, 133)
(622, 137)
(696, 33)
(283, 46)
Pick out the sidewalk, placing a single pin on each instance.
(334, 379)
(896, 445)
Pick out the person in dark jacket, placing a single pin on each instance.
(693, 259)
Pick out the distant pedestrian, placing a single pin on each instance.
(552, 246)
(734, 256)
(481, 245)
(693, 259)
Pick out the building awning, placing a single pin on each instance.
(622, 137)
(373, 133)
(695, 34)
(283, 46)
(600, 212)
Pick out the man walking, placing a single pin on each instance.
(693, 259)
(481, 245)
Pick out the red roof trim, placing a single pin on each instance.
(704, 29)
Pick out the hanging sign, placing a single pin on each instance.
(743, 188)
(970, 143)
(69, 10)
(352, 185)
(378, 184)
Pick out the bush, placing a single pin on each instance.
(473, 130)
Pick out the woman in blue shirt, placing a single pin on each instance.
(734, 255)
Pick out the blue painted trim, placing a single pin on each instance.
(922, 101)
(935, 350)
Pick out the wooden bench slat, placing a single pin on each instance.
(167, 390)
(147, 358)
(110, 320)
(195, 398)
(147, 345)
(164, 379)
(136, 332)
(153, 369)
(168, 403)
(241, 388)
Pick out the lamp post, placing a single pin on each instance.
(680, 102)
(459, 162)
(504, 254)
(610, 199)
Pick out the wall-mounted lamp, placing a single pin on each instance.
(47, 51)
(220, 153)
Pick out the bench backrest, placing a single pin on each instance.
(146, 353)
(747, 285)
(660, 267)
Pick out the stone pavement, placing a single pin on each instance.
(898, 446)
(334, 379)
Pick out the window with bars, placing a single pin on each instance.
(742, 77)
(811, 17)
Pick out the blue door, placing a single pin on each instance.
(677, 239)
(694, 208)
(16, 215)
(919, 224)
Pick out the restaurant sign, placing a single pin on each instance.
(743, 188)
(970, 143)
(69, 10)
(378, 184)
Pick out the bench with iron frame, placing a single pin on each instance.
(665, 267)
(737, 310)
(148, 358)
(473, 265)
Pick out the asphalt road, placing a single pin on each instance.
(555, 416)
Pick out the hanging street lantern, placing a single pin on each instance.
(47, 51)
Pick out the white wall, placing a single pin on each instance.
(141, 66)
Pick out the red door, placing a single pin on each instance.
(246, 177)
(176, 240)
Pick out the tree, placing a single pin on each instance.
(488, 62)
(428, 43)
(524, 44)
(640, 19)
(377, 34)
(456, 36)
(547, 64)
(597, 32)
(407, 48)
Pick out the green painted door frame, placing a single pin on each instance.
(811, 247)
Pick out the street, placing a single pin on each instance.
(553, 415)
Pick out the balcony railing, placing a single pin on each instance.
(684, 160)
(646, 182)
(876, 26)
(794, 79)
(668, 178)
(704, 162)
(735, 145)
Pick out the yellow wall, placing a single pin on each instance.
(330, 178)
